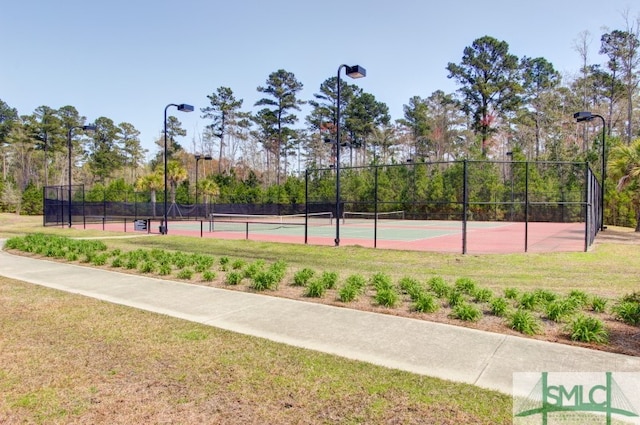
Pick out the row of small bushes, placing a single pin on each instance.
(523, 311)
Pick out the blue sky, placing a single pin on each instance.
(127, 59)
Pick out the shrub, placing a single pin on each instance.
(233, 278)
(455, 298)
(357, 280)
(316, 288)
(265, 280)
(524, 322)
(579, 298)
(588, 329)
(164, 269)
(467, 312)
(438, 286)
(633, 297)
(208, 275)
(425, 303)
(412, 287)
(117, 262)
(329, 279)
(238, 264)
(387, 297)
(598, 304)
(528, 301)
(482, 295)
(348, 293)
(381, 281)
(301, 277)
(353, 286)
(545, 296)
(499, 306)
(131, 264)
(628, 312)
(73, 256)
(511, 293)
(559, 310)
(224, 263)
(254, 268)
(465, 285)
(279, 268)
(148, 267)
(185, 274)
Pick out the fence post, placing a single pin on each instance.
(465, 206)
(306, 205)
(526, 206)
(375, 208)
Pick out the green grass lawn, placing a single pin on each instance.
(70, 359)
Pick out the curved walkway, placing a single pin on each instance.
(455, 353)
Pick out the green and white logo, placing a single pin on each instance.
(576, 398)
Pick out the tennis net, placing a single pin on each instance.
(354, 216)
(271, 221)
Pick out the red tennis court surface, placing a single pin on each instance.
(436, 236)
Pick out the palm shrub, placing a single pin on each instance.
(329, 279)
(387, 297)
(528, 301)
(254, 268)
(208, 275)
(233, 278)
(352, 288)
(279, 268)
(438, 286)
(117, 262)
(164, 269)
(381, 281)
(482, 295)
(511, 293)
(465, 285)
(100, 259)
(425, 303)
(466, 311)
(598, 304)
(627, 311)
(315, 288)
(301, 277)
(524, 322)
(185, 274)
(499, 306)
(348, 293)
(238, 264)
(412, 287)
(545, 296)
(559, 310)
(579, 298)
(585, 328)
(455, 297)
(148, 267)
(264, 280)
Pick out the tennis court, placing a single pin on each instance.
(387, 231)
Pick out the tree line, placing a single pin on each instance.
(503, 104)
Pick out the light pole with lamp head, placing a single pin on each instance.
(588, 116)
(184, 108)
(355, 71)
(198, 158)
(89, 127)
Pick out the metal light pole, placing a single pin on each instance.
(198, 158)
(90, 127)
(588, 116)
(355, 71)
(181, 107)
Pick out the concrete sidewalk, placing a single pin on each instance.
(455, 353)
